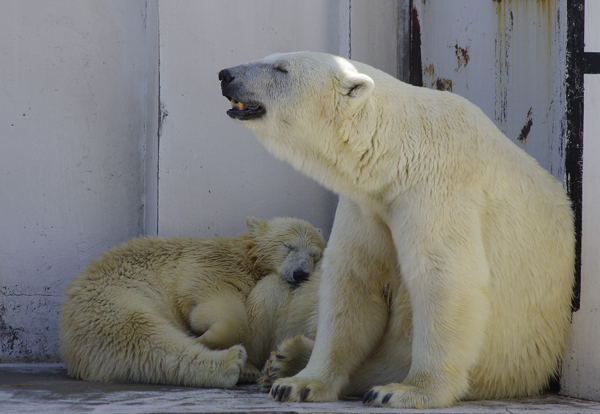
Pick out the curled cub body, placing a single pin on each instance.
(173, 310)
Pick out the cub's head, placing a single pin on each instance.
(289, 246)
(289, 99)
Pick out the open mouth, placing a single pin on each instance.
(245, 111)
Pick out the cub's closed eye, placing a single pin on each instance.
(280, 69)
(289, 246)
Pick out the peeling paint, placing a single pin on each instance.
(462, 56)
(429, 70)
(503, 46)
(526, 128)
(9, 335)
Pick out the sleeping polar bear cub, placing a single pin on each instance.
(449, 270)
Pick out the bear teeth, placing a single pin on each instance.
(237, 105)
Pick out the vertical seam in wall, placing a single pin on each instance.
(159, 127)
(403, 34)
(350, 29)
(144, 145)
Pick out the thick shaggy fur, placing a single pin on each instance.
(450, 264)
(173, 310)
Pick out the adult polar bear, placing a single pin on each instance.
(438, 210)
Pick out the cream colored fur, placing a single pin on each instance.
(173, 310)
(472, 239)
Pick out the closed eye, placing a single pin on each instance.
(280, 68)
(289, 246)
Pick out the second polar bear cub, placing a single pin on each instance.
(449, 270)
(173, 310)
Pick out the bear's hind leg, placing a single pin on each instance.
(156, 351)
(183, 360)
(221, 322)
(392, 358)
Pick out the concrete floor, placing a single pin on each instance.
(46, 388)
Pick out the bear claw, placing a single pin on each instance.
(370, 396)
(274, 391)
(304, 394)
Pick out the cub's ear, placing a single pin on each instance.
(256, 225)
(357, 87)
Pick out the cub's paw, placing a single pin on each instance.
(290, 358)
(233, 364)
(299, 389)
(405, 396)
(250, 375)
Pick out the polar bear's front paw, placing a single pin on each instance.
(289, 359)
(404, 396)
(299, 389)
(269, 373)
(250, 375)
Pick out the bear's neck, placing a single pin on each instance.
(350, 160)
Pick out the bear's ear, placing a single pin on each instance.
(256, 225)
(357, 87)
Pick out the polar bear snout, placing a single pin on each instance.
(296, 277)
(225, 76)
(297, 268)
(242, 107)
(300, 275)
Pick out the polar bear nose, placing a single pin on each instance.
(225, 76)
(300, 276)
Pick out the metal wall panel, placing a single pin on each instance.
(507, 57)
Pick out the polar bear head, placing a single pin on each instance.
(300, 106)
(276, 85)
(291, 246)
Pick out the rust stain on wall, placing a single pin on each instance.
(442, 84)
(429, 70)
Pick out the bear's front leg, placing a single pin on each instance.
(353, 310)
(447, 277)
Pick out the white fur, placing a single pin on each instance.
(173, 310)
(437, 205)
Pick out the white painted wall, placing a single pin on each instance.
(79, 115)
(213, 173)
(581, 371)
(72, 110)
